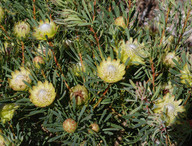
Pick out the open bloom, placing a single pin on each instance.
(21, 29)
(7, 111)
(16, 83)
(132, 50)
(169, 107)
(43, 94)
(111, 71)
(80, 94)
(186, 76)
(44, 29)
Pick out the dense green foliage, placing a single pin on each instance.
(86, 35)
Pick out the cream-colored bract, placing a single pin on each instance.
(111, 71)
(45, 28)
(132, 50)
(186, 75)
(16, 82)
(43, 94)
(21, 29)
(170, 107)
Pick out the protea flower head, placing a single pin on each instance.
(21, 29)
(45, 28)
(132, 50)
(120, 22)
(94, 127)
(16, 82)
(1, 14)
(43, 94)
(7, 111)
(111, 71)
(168, 59)
(169, 107)
(69, 125)
(186, 75)
(80, 94)
(38, 60)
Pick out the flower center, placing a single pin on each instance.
(22, 27)
(170, 107)
(131, 46)
(111, 68)
(45, 27)
(111, 71)
(43, 95)
(19, 79)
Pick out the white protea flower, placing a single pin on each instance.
(45, 28)
(43, 94)
(16, 82)
(171, 108)
(111, 71)
(132, 50)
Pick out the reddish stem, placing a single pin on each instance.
(34, 9)
(100, 99)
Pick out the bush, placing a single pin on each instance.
(95, 72)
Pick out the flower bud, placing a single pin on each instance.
(80, 94)
(69, 125)
(38, 60)
(21, 29)
(77, 68)
(94, 127)
(120, 22)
